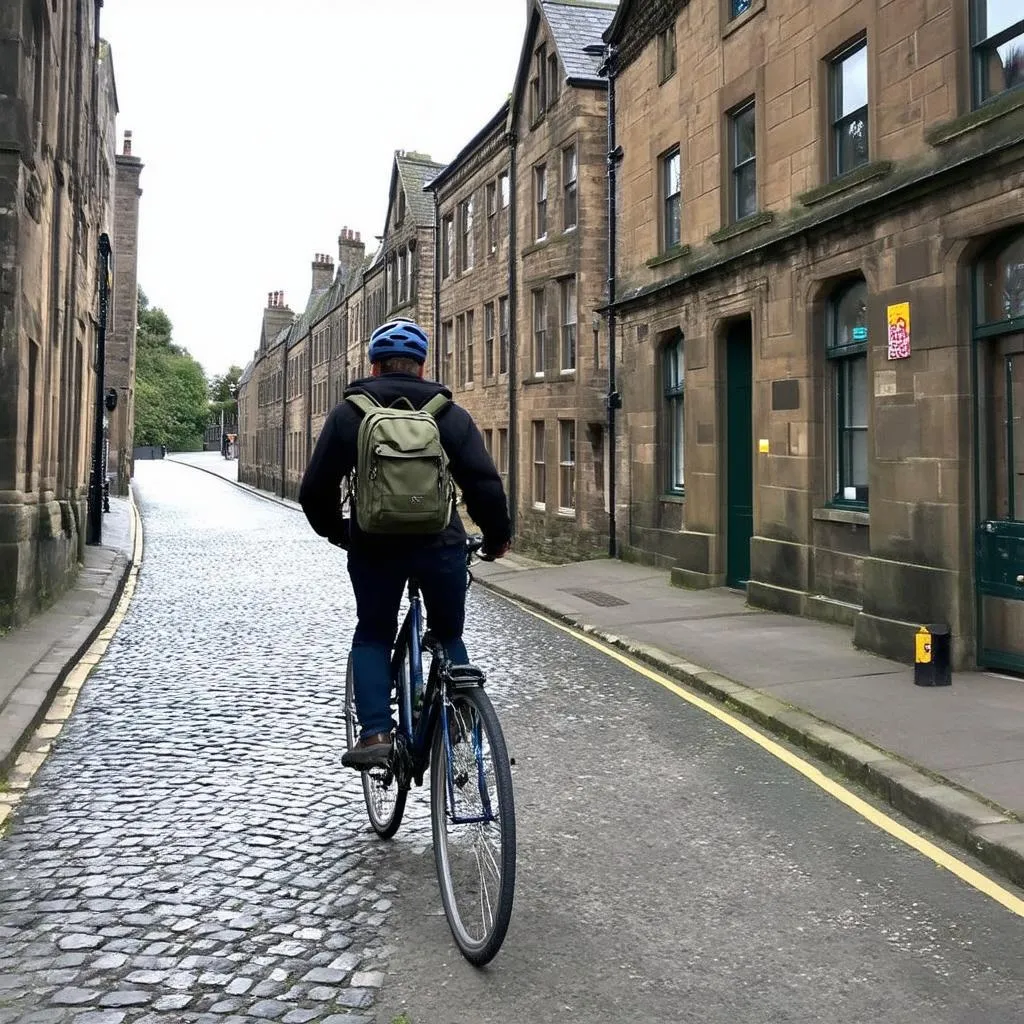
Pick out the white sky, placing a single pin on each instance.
(264, 127)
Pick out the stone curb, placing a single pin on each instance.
(991, 833)
(255, 491)
(28, 704)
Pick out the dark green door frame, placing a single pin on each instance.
(739, 452)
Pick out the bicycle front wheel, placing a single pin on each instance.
(385, 799)
(474, 824)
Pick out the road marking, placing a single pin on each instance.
(31, 759)
(880, 819)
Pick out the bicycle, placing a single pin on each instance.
(449, 726)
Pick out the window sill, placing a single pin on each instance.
(567, 373)
(673, 497)
(570, 230)
(837, 186)
(539, 506)
(842, 514)
(734, 24)
(741, 227)
(536, 246)
(985, 114)
(566, 513)
(677, 252)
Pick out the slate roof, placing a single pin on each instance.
(246, 374)
(575, 24)
(415, 173)
(314, 305)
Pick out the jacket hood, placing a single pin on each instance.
(388, 387)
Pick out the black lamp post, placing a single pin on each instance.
(94, 527)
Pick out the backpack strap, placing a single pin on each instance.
(402, 402)
(438, 403)
(363, 402)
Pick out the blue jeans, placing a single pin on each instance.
(379, 582)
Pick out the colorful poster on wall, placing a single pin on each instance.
(899, 330)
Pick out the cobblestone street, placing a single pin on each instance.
(192, 851)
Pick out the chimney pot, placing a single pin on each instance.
(128, 143)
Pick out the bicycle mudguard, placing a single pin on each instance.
(465, 677)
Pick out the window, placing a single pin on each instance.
(538, 91)
(488, 442)
(403, 275)
(489, 341)
(672, 188)
(743, 184)
(502, 459)
(667, 53)
(492, 217)
(446, 352)
(466, 235)
(847, 350)
(738, 7)
(674, 379)
(470, 324)
(540, 202)
(503, 188)
(539, 481)
(503, 334)
(460, 350)
(566, 466)
(1000, 283)
(849, 88)
(553, 80)
(447, 243)
(540, 330)
(570, 171)
(568, 303)
(997, 44)
(400, 216)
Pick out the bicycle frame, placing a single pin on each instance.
(412, 740)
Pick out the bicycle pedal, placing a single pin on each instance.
(465, 677)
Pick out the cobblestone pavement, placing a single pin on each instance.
(191, 850)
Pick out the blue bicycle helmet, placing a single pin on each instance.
(399, 338)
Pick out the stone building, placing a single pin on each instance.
(820, 299)
(55, 201)
(470, 330)
(558, 120)
(119, 364)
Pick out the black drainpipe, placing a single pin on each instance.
(513, 306)
(284, 419)
(614, 399)
(437, 287)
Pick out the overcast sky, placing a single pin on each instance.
(265, 127)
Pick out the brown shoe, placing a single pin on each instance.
(372, 751)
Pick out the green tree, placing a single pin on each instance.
(221, 398)
(171, 391)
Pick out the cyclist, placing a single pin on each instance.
(380, 565)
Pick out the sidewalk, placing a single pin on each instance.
(35, 658)
(952, 758)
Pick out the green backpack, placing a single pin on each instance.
(402, 482)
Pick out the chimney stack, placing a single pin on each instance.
(323, 272)
(128, 143)
(276, 316)
(351, 253)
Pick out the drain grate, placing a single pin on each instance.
(598, 597)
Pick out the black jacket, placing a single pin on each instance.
(471, 467)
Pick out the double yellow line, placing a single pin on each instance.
(868, 812)
(38, 747)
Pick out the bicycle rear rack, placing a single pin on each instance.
(465, 677)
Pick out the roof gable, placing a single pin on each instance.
(572, 26)
(636, 24)
(410, 174)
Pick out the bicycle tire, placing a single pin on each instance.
(478, 948)
(385, 801)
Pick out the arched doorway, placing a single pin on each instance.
(999, 417)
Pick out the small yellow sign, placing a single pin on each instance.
(763, 447)
(923, 646)
(898, 316)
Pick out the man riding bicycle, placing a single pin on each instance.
(380, 563)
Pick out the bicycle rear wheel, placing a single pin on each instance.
(474, 825)
(385, 799)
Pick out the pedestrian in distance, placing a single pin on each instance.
(403, 446)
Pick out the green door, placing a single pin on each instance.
(739, 473)
(999, 542)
